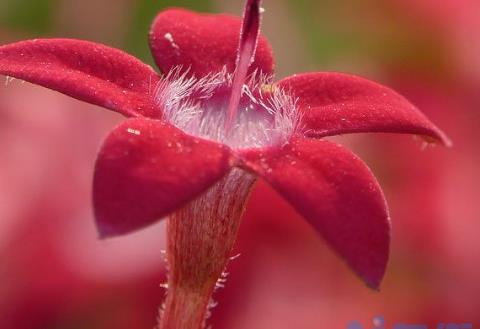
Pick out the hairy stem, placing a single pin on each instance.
(200, 240)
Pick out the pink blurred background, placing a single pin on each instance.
(56, 274)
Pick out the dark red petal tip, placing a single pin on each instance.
(146, 169)
(202, 42)
(335, 103)
(84, 70)
(337, 194)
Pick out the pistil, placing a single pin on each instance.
(245, 56)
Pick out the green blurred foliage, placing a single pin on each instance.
(348, 34)
(28, 16)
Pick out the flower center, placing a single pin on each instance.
(266, 115)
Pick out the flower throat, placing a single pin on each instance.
(235, 109)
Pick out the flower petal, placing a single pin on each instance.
(84, 70)
(202, 42)
(337, 194)
(335, 103)
(146, 169)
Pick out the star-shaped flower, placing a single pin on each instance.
(213, 109)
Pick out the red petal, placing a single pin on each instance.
(204, 43)
(336, 192)
(146, 169)
(84, 70)
(335, 103)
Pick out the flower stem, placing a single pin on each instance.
(184, 309)
(200, 239)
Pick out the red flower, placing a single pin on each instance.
(200, 134)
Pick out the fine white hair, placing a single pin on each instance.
(268, 118)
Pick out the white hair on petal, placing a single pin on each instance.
(8, 80)
(268, 118)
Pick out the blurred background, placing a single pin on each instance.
(56, 274)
